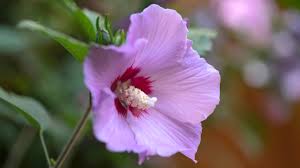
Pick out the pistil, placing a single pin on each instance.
(133, 97)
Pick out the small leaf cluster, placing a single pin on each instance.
(105, 34)
(97, 28)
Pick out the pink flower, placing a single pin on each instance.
(150, 95)
(249, 17)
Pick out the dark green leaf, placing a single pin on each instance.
(92, 16)
(86, 24)
(101, 36)
(108, 27)
(202, 39)
(32, 110)
(77, 48)
(86, 18)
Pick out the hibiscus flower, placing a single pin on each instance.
(151, 94)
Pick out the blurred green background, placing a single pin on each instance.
(257, 52)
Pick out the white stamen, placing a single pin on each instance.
(134, 97)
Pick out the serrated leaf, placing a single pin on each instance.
(76, 48)
(32, 110)
(202, 39)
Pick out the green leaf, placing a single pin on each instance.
(77, 48)
(108, 27)
(86, 24)
(86, 18)
(202, 39)
(119, 37)
(32, 110)
(92, 16)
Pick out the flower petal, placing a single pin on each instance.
(163, 135)
(189, 91)
(102, 66)
(164, 33)
(111, 127)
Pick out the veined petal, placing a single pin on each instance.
(164, 33)
(111, 127)
(157, 58)
(103, 65)
(189, 91)
(163, 135)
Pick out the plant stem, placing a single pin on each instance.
(45, 149)
(75, 136)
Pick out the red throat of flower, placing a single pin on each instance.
(132, 92)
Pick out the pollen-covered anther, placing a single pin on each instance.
(131, 96)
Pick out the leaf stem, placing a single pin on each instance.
(45, 149)
(75, 136)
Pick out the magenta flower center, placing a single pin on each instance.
(132, 92)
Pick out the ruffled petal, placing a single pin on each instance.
(163, 135)
(164, 33)
(110, 127)
(189, 91)
(103, 65)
